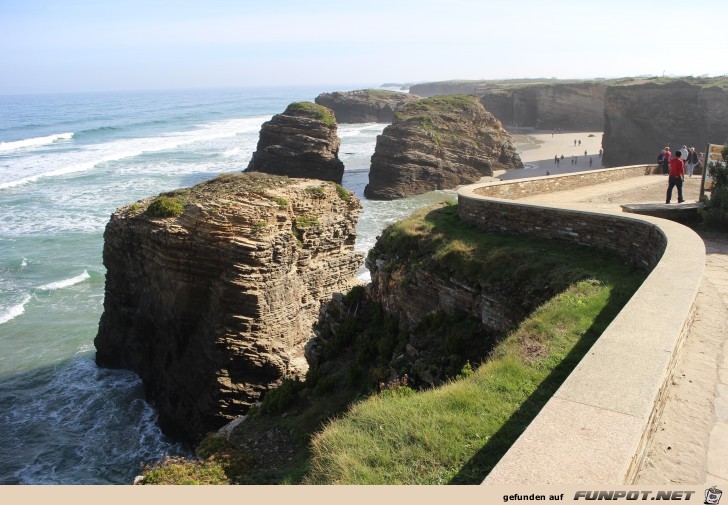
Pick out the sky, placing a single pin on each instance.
(108, 45)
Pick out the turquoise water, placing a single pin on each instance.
(66, 162)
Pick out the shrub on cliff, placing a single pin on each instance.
(715, 211)
(165, 206)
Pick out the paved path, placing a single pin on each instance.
(691, 442)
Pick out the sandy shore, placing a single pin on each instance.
(538, 148)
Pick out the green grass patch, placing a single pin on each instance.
(343, 192)
(458, 432)
(165, 206)
(306, 221)
(311, 109)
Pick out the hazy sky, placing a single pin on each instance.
(86, 45)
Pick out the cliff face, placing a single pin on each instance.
(642, 118)
(365, 105)
(213, 307)
(438, 143)
(301, 142)
(529, 103)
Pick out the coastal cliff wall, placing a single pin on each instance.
(438, 143)
(212, 291)
(569, 105)
(642, 118)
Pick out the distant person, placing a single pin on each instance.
(556, 159)
(600, 153)
(547, 172)
(590, 161)
(666, 161)
(693, 160)
(661, 161)
(677, 175)
(584, 152)
(562, 157)
(579, 142)
(574, 141)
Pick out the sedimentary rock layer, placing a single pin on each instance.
(301, 142)
(644, 117)
(365, 105)
(213, 307)
(438, 143)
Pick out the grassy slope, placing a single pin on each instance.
(457, 432)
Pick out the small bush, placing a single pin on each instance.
(343, 193)
(316, 191)
(715, 211)
(165, 206)
(305, 221)
(181, 471)
(278, 399)
(282, 203)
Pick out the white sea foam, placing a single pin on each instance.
(34, 142)
(65, 283)
(14, 311)
(31, 168)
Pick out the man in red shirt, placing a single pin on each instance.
(677, 175)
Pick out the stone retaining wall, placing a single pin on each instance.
(596, 426)
(561, 182)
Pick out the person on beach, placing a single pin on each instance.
(666, 161)
(600, 152)
(556, 159)
(584, 152)
(590, 161)
(677, 175)
(692, 161)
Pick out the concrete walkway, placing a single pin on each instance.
(691, 443)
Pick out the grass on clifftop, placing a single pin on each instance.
(456, 433)
(320, 112)
(436, 106)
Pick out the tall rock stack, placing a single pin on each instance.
(438, 143)
(212, 291)
(301, 142)
(365, 105)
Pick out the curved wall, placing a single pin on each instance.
(596, 426)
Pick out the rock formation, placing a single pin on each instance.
(301, 142)
(543, 104)
(643, 117)
(438, 143)
(365, 105)
(211, 291)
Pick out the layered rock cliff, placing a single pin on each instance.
(642, 117)
(438, 143)
(301, 142)
(365, 105)
(211, 291)
(544, 104)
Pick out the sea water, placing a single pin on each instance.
(66, 162)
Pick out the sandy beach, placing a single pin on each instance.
(538, 148)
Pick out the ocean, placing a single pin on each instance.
(66, 162)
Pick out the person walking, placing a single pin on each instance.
(676, 177)
(692, 161)
(666, 161)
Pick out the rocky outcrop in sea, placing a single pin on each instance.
(438, 143)
(212, 291)
(300, 142)
(365, 105)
